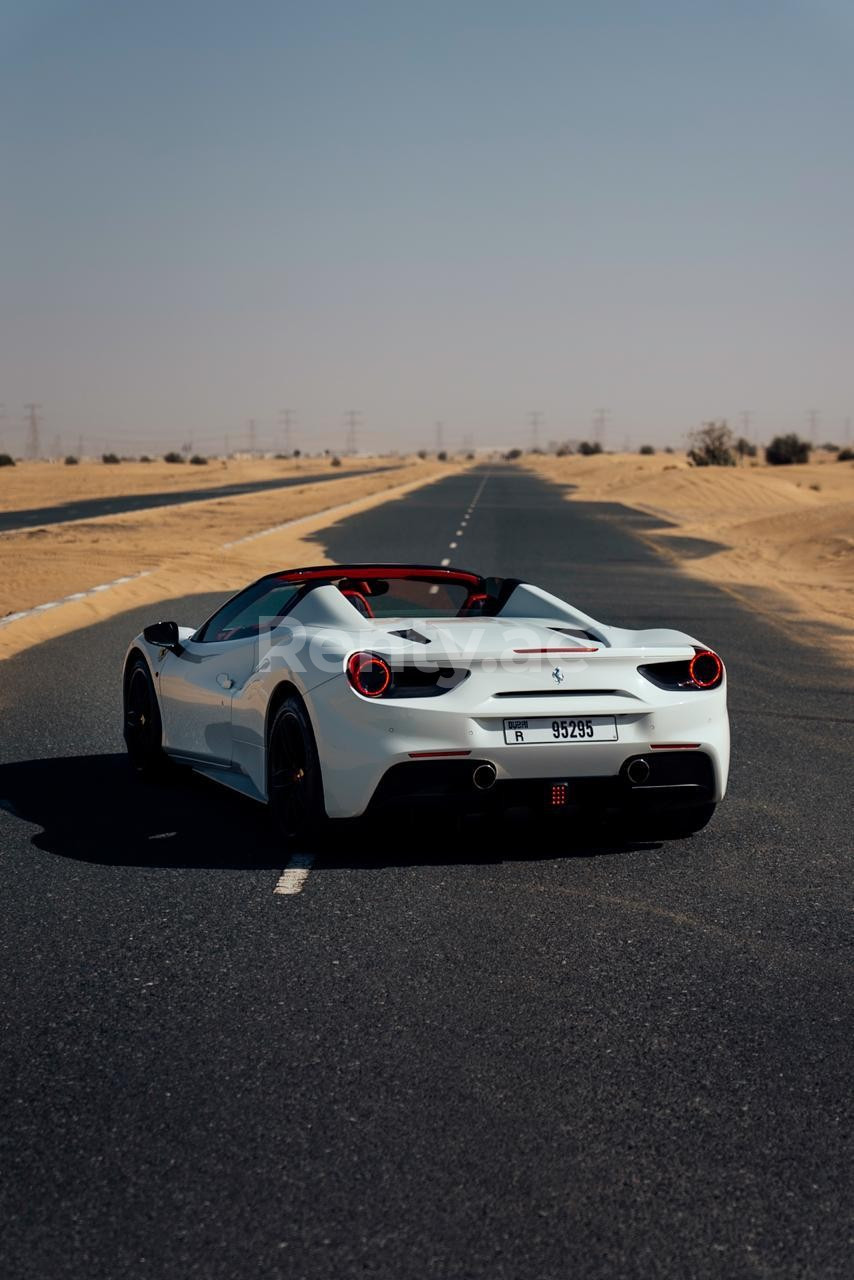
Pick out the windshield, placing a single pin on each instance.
(406, 597)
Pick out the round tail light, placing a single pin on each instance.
(706, 669)
(368, 674)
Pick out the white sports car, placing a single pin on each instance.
(327, 692)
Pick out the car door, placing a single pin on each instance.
(196, 689)
(200, 681)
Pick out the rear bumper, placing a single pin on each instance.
(363, 743)
(677, 780)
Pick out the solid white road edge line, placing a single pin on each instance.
(295, 874)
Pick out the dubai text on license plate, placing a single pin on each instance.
(562, 729)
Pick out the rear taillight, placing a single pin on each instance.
(375, 677)
(704, 671)
(368, 674)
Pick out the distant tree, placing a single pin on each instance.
(173, 457)
(297, 453)
(829, 447)
(336, 462)
(71, 461)
(646, 450)
(6, 460)
(469, 457)
(110, 458)
(422, 454)
(588, 449)
(512, 454)
(744, 448)
(441, 456)
(668, 448)
(198, 460)
(784, 450)
(712, 445)
(143, 457)
(564, 450)
(845, 455)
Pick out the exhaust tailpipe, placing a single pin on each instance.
(484, 776)
(638, 771)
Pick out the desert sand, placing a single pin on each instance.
(174, 551)
(779, 538)
(46, 484)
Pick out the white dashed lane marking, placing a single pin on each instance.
(453, 545)
(295, 874)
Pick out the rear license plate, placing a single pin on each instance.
(561, 729)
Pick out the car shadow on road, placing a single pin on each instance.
(95, 809)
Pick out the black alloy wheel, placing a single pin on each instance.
(143, 731)
(295, 788)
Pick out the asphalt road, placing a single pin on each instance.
(120, 504)
(493, 1055)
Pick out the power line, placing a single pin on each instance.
(253, 436)
(351, 443)
(440, 436)
(33, 448)
(600, 422)
(286, 422)
(813, 418)
(536, 419)
(746, 421)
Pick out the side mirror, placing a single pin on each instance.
(163, 634)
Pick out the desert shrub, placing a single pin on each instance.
(816, 487)
(646, 449)
(744, 448)
(422, 454)
(564, 450)
(668, 448)
(198, 460)
(588, 449)
(6, 460)
(110, 458)
(784, 450)
(71, 461)
(469, 457)
(442, 456)
(143, 457)
(512, 454)
(712, 445)
(829, 446)
(336, 461)
(845, 455)
(173, 457)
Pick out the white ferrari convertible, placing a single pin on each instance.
(328, 692)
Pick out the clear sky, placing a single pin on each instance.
(436, 211)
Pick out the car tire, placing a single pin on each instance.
(143, 728)
(679, 824)
(294, 781)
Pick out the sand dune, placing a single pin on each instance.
(780, 537)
